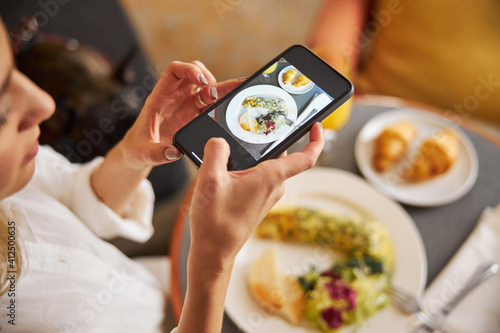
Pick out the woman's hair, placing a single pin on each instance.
(10, 255)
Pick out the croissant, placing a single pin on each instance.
(434, 157)
(289, 75)
(302, 80)
(391, 144)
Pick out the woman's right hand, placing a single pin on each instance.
(226, 208)
(227, 205)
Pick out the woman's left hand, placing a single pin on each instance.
(183, 91)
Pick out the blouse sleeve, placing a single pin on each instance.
(70, 184)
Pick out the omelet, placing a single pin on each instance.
(353, 235)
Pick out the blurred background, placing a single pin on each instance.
(233, 38)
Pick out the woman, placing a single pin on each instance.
(54, 213)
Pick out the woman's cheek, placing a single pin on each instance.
(13, 176)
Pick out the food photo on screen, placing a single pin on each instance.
(271, 107)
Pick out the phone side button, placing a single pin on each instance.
(196, 156)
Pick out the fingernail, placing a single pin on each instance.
(242, 78)
(203, 79)
(218, 139)
(172, 154)
(213, 93)
(321, 126)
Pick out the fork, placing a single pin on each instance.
(409, 304)
(289, 122)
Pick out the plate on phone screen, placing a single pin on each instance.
(339, 192)
(290, 87)
(235, 110)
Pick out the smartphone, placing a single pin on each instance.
(268, 112)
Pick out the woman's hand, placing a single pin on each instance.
(172, 104)
(226, 208)
(228, 205)
(148, 142)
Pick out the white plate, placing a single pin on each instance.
(443, 189)
(235, 110)
(289, 87)
(339, 192)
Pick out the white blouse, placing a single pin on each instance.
(73, 280)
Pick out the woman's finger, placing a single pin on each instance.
(215, 158)
(176, 73)
(224, 87)
(209, 76)
(199, 101)
(298, 162)
(305, 159)
(160, 153)
(209, 93)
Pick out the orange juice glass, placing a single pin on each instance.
(270, 69)
(339, 61)
(265, 77)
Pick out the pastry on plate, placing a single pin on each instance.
(276, 291)
(435, 156)
(289, 75)
(392, 144)
(302, 80)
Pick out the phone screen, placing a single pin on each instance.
(270, 108)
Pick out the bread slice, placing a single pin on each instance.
(249, 123)
(294, 300)
(275, 291)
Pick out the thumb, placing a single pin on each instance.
(160, 153)
(216, 155)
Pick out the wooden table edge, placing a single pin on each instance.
(468, 123)
(175, 248)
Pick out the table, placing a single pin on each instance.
(443, 229)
